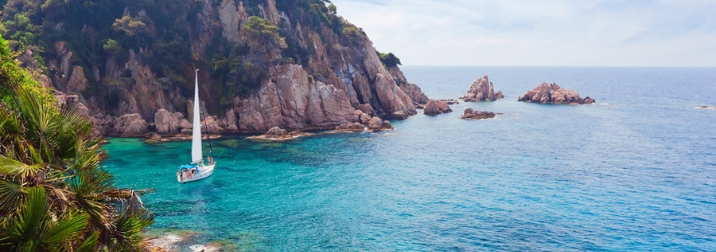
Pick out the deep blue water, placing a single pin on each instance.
(635, 172)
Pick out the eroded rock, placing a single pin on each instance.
(553, 93)
(166, 123)
(434, 107)
(482, 90)
(476, 115)
(130, 125)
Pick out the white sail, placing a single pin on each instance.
(196, 156)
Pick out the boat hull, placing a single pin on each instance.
(204, 172)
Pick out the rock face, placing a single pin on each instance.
(412, 90)
(316, 81)
(434, 107)
(476, 115)
(482, 90)
(291, 101)
(553, 93)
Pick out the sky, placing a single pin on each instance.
(539, 32)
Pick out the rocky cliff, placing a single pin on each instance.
(263, 64)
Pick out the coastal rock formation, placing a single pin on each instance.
(553, 93)
(290, 100)
(434, 107)
(279, 134)
(412, 90)
(351, 127)
(72, 103)
(482, 90)
(130, 125)
(167, 123)
(283, 72)
(476, 115)
(276, 132)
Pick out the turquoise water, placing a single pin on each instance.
(636, 172)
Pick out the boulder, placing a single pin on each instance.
(434, 107)
(375, 123)
(443, 106)
(179, 115)
(553, 93)
(166, 123)
(276, 132)
(588, 100)
(364, 118)
(211, 125)
(482, 90)
(386, 125)
(130, 125)
(476, 115)
(279, 134)
(366, 108)
(185, 124)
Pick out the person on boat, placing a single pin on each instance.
(211, 160)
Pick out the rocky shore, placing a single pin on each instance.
(553, 93)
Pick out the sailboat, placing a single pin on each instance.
(197, 170)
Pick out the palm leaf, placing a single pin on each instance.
(11, 196)
(13, 167)
(32, 218)
(69, 226)
(89, 244)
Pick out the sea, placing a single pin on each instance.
(634, 172)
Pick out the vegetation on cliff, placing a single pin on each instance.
(53, 195)
(388, 59)
(157, 30)
(137, 57)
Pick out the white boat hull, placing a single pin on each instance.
(204, 172)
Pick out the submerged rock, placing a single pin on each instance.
(476, 115)
(553, 93)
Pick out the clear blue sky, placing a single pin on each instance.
(539, 33)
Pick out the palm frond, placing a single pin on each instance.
(67, 227)
(13, 167)
(90, 244)
(11, 197)
(32, 217)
